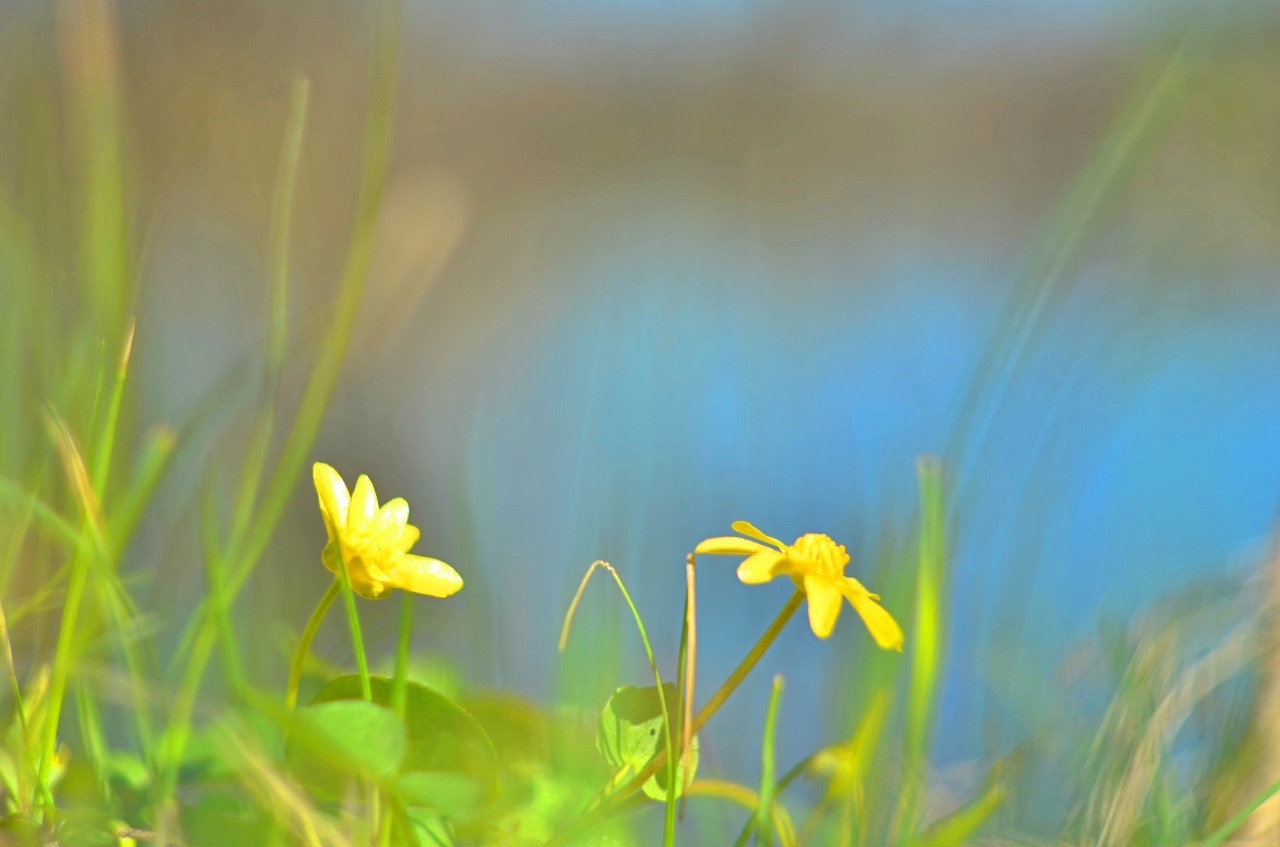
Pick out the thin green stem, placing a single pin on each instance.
(404, 639)
(357, 640)
(748, 661)
(304, 644)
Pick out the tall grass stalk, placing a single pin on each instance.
(764, 811)
(925, 643)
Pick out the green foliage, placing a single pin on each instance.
(442, 743)
(344, 738)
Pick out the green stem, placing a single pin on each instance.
(399, 701)
(749, 661)
(304, 644)
(62, 659)
(357, 640)
(404, 637)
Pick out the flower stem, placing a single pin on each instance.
(617, 798)
(748, 661)
(404, 637)
(357, 640)
(304, 644)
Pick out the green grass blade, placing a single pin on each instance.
(1138, 127)
(1225, 831)
(280, 238)
(92, 66)
(926, 641)
(671, 763)
(764, 811)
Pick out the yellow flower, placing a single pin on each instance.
(374, 542)
(816, 564)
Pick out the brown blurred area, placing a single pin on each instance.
(778, 129)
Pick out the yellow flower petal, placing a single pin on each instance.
(334, 498)
(749, 529)
(762, 566)
(729, 545)
(422, 575)
(365, 581)
(331, 556)
(824, 604)
(364, 504)
(404, 540)
(386, 524)
(884, 629)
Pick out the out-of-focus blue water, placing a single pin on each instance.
(677, 375)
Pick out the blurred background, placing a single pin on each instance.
(644, 268)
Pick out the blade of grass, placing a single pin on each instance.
(21, 711)
(105, 445)
(93, 739)
(1225, 831)
(668, 835)
(215, 575)
(90, 54)
(960, 826)
(926, 643)
(764, 810)
(1139, 125)
(149, 469)
(28, 501)
(64, 657)
(273, 366)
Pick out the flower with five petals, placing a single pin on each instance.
(374, 542)
(816, 564)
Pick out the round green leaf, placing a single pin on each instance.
(454, 794)
(332, 741)
(441, 737)
(631, 733)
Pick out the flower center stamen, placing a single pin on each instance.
(817, 554)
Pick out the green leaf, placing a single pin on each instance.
(458, 795)
(631, 733)
(330, 741)
(441, 737)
